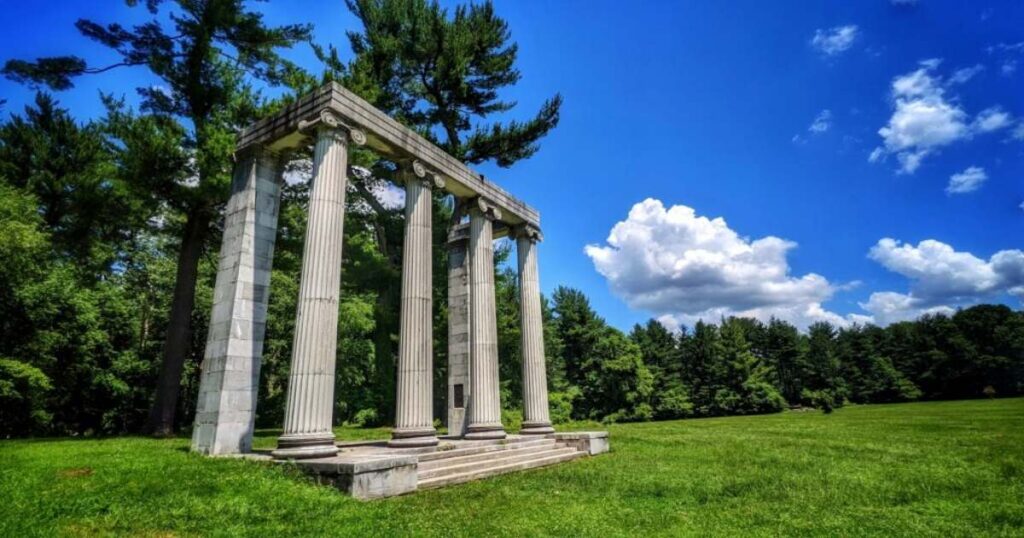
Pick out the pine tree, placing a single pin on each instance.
(204, 61)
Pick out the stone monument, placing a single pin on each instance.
(332, 119)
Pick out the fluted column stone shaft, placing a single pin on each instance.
(414, 421)
(536, 419)
(310, 405)
(485, 403)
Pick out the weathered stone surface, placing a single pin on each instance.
(388, 137)
(414, 420)
(592, 443)
(366, 477)
(485, 404)
(536, 420)
(226, 406)
(310, 405)
(458, 329)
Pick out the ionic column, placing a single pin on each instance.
(414, 421)
(485, 403)
(536, 419)
(310, 405)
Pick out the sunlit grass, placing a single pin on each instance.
(923, 469)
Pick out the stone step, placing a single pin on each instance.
(489, 455)
(492, 446)
(496, 468)
(496, 459)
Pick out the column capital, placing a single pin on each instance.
(417, 171)
(529, 232)
(328, 121)
(485, 208)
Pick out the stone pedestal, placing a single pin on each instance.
(414, 424)
(593, 443)
(309, 409)
(485, 403)
(368, 477)
(234, 348)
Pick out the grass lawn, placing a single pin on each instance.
(921, 469)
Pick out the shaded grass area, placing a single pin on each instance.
(920, 469)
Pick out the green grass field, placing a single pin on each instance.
(922, 469)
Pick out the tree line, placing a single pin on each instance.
(744, 366)
(109, 231)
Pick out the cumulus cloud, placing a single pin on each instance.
(835, 40)
(925, 119)
(684, 267)
(967, 181)
(941, 278)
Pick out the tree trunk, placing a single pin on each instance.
(179, 328)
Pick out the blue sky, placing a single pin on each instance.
(865, 158)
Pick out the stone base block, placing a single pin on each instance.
(592, 443)
(365, 477)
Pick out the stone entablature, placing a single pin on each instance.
(388, 138)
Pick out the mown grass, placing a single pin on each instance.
(922, 469)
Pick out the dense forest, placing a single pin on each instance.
(109, 230)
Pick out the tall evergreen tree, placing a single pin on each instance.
(782, 350)
(204, 59)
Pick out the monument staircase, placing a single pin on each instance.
(466, 461)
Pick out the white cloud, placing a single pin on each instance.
(941, 278)
(924, 119)
(961, 76)
(834, 40)
(677, 264)
(991, 119)
(822, 122)
(967, 181)
(1018, 131)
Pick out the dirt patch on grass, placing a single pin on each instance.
(76, 472)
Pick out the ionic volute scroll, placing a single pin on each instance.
(329, 120)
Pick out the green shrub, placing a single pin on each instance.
(23, 388)
(512, 419)
(366, 418)
(560, 405)
(674, 403)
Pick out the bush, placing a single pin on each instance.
(366, 418)
(23, 388)
(826, 400)
(763, 397)
(512, 419)
(560, 405)
(674, 403)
